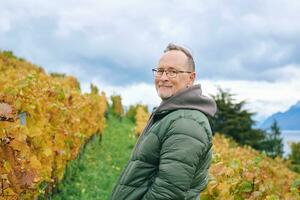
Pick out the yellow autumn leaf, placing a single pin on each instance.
(47, 152)
(8, 192)
(35, 163)
(7, 166)
(141, 120)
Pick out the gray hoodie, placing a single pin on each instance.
(189, 98)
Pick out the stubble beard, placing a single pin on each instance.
(164, 94)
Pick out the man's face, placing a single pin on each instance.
(167, 87)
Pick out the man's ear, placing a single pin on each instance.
(192, 77)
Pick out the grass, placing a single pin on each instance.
(94, 174)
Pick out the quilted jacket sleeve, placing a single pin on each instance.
(185, 143)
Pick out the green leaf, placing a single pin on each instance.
(257, 160)
(10, 90)
(245, 186)
(296, 183)
(235, 164)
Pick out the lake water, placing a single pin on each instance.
(289, 136)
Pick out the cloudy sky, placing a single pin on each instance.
(250, 48)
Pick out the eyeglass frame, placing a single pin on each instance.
(155, 72)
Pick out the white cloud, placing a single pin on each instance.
(132, 33)
(75, 71)
(5, 25)
(264, 98)
(250, 47)
(143, 93)
(286, 73)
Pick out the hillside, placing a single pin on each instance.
(288, 120)
(244, 173)
(45, 121)
(236, 172)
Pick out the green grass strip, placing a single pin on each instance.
(94, 173)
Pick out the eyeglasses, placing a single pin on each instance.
(171, 73)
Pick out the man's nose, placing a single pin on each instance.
(164, 76)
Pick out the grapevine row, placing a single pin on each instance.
(51, 120)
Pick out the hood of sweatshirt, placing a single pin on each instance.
(189, 98)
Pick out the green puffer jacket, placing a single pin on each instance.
(172, 156)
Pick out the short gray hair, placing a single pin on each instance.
(191, 62)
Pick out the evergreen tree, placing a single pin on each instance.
(277, 140)
(273, 145)
(234, 121)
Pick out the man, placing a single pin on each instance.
(172, 156)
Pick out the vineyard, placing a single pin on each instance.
(243, 173)
(46, 122)
(236, 172)
(48, 125)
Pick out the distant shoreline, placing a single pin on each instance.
(290, 131)
(288, 136)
